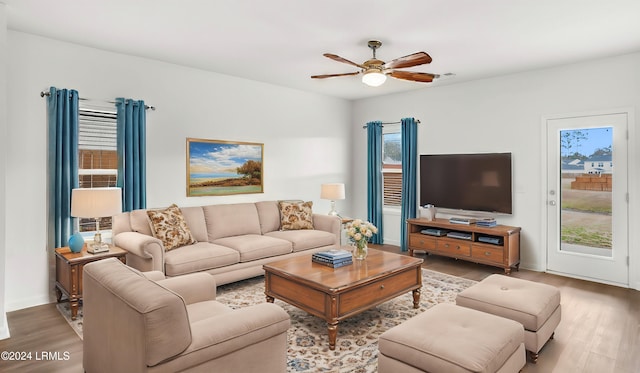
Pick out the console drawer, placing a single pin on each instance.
(455, 247)
(419, 241)
(487, 253)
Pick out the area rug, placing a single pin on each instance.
(357, 343)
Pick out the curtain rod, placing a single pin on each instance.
(417, 122)
(47, 93)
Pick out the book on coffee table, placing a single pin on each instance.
(332, 264)
(333, 258)
(334, 254)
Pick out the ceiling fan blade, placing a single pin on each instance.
(414, 76)
(335, 57)
(333, 75)
(419, 58)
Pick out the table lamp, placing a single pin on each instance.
(96, 203)
(332, 192)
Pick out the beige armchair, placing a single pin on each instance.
(135, 322)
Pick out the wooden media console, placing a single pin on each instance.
(504, 252)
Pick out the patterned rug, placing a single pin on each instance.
(357, 344)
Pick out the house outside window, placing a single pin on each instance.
(97, 158)
(392, 165)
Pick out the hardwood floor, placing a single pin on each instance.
(41, 331)
(600, 327)
(599, 331)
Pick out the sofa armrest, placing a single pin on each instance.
(193, 287)
(328, 223)
(144, 249)
(235, 330)
(154, 275)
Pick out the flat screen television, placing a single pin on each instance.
(471, 182)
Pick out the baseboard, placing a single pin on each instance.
(27, 303)
(392, 242)
(531, 267)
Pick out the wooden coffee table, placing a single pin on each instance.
(334, 294)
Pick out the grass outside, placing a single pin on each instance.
(586, 237)
(586, 217)
(584, 202)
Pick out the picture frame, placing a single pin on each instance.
(218, 168)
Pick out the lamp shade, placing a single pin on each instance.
(96, 202)
(333, 191)
(373, 78)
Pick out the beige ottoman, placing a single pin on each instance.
(448, 338)
(536, 306)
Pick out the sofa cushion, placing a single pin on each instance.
(260, 328)
(305, 239)
(231, 220)
(269, 215)
(256, 246)
(169, 226)
(198, 257)
(194, 217)
(204, 310)
(140, 222)
(296, 215)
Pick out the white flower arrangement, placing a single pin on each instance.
(360, 232)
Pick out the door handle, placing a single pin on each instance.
(552, 203)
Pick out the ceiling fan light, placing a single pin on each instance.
(373, 78)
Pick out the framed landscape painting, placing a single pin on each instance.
(217, 168)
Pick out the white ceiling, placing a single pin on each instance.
(282, 41)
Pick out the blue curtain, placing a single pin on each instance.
(62, 117)
(374, 177)
(409, 134)
(131, 147)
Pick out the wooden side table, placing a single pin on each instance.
(69, 267)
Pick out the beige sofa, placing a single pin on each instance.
(234, 241)
(141, 322)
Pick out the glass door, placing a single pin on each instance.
(587, 197)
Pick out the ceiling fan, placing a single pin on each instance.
(375, 71)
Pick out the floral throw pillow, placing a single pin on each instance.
(169, 226)
(295, 215)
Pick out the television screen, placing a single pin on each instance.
(473, 182)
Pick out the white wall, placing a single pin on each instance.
(306, 138)
(309, 139)
(503, 114)
(4, 329)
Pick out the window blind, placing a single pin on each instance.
(97, 129)
(97, 158)
(392, 188)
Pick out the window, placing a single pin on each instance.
(97, 158)
(392, 165)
